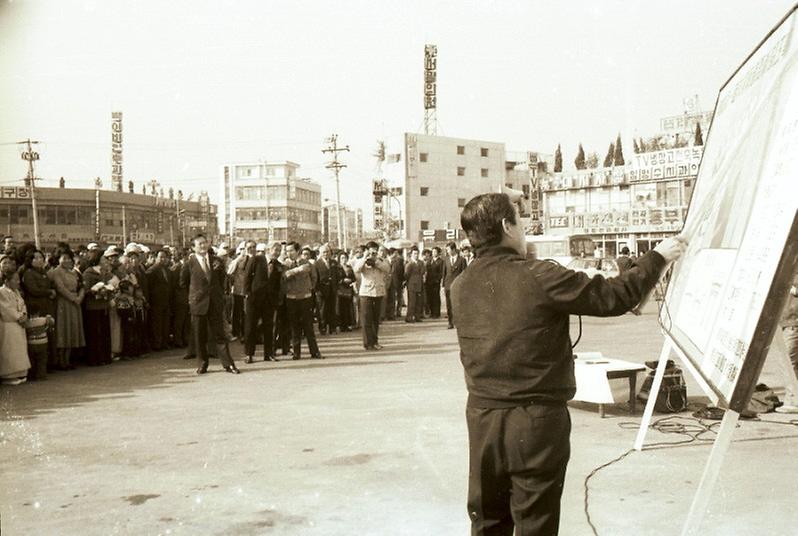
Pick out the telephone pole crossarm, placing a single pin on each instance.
(336, 166)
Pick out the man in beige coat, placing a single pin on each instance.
(373, 271)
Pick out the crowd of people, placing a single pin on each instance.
(93, 305)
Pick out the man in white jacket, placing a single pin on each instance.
(373, 271)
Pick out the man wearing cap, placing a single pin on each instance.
(204, 278)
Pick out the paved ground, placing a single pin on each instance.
(359, 443)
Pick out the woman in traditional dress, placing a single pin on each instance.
(14, 362)
(68, 316)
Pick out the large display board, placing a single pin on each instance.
(725, 295)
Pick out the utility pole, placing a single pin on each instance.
(336, 166)
(30, 181)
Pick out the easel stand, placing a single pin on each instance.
(719, 448)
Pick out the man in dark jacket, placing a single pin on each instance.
(512, 318)
(452, 267)
(393, 300)
(432, 283)
(159, 284)
(623, 260)
(262, 288)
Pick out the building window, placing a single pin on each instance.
(508, 184)
(422, 157)
(424, 225)
(461, 149)
(483, 152)
(460, 202)
(483, 172)
(424, 191)
(460, 171)
(270, 172)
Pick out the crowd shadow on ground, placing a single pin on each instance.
(164, 370)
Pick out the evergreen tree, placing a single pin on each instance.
(636, 146)
(699, 136)
(130, 186)
(579, 161)
(610, 155)
(643, 146)
(618, 157)
(62, 183)
(558, 159)
(592, 160)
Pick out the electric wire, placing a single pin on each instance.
(691, 428)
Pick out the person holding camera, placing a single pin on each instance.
(373, 271)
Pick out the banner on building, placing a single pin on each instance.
(441, 235)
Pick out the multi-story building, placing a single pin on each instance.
(636, 204)
(82, 215)
(434, 177)
(266, 201)
(352, 221)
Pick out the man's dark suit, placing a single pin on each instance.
(181, 320)
(393, 307)
(206, 304)
(432, 286)
(325, 295)
(262, 289)
(452, 267)
(414, 276)
(159, 284)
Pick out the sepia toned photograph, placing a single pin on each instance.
(418, 268)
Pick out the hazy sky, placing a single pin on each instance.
(202, 83)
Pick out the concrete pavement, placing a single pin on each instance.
(358, 443)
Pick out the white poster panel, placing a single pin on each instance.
(741, 213)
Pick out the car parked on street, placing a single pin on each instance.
(605, 266)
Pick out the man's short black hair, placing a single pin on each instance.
(451, 245)
(482, 217)
(414, 248)
(197, 237)
(372, 244)
(391, 251)
(624, 250)
(436, 248)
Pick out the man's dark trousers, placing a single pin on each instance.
(517, 463)
(238, 323)
(258, 311)
(449, 312)
(433, 295)
(208, 329)
(370, 319)
(300, 313)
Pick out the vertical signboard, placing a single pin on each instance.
(430, 76)
(116, 151)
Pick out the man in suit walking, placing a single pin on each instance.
(414, 280)
(432, 283)
(204, 277)
(452, 267)
(262, 288)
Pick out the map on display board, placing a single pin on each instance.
(725, 295)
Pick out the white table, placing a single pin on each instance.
(593, 373)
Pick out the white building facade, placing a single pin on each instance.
(266, 201)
